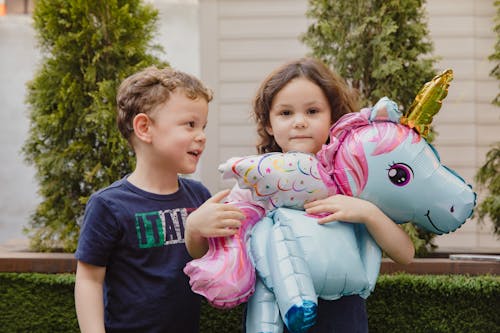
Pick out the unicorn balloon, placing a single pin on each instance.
(376, 154)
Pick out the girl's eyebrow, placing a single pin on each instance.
(307, 104)
(281, 105)
(313, 102)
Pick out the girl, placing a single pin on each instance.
(294, 109)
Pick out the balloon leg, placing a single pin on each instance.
(263, 314)
(292, 282)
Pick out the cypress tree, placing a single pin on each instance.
(382, 48)
(88, 47)
(488, 175)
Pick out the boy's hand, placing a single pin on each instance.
(215, 219)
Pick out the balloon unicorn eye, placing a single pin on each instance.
(400, 174)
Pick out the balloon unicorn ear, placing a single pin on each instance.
(427, 103)
(385, 110)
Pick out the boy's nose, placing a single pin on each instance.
(201, 137)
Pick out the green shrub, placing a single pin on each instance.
(488, 175)
(435, 303)
(37, 303)
(88, 48)
(400, 303)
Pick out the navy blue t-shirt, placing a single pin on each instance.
(139, 238)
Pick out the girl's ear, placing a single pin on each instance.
(141, 124)
(269, 130)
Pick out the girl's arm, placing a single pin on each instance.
(212, 219)
(389, 236)
(89, 298)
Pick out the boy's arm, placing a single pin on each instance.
(212, 219)
(89, 297)
(388, 235)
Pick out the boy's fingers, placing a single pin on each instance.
(226, 232)
(232, 224)
(236, 213)
(219, 196)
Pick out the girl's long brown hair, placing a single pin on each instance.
(340, 97)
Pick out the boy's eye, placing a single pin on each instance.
(191, 124)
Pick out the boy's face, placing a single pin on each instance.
(300, 117)
(178, 132)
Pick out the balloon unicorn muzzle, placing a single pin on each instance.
(377, 154)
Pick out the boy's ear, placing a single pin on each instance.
(141, 124)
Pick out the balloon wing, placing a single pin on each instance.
(280, 179)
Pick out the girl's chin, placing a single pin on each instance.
(302, 148)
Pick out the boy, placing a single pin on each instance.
(131, 250)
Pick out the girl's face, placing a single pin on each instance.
(300, 117)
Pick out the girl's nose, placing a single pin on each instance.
(300, 122)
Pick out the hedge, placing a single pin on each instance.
(31, 302)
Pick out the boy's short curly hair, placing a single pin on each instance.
(144, 90)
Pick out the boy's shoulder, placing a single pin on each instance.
(194, 188)
(189, 183)
(110, 189)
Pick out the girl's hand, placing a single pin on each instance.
(388, 235)
(341, 208)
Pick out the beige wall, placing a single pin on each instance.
(242, 40)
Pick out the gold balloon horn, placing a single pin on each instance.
(427, 103)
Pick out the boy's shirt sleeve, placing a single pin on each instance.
(99, 234)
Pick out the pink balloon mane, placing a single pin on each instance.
(387, 136)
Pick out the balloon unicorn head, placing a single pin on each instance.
(377, 154)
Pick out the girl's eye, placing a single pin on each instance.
(313, 111)
(191, 124)
(400, 174)
(285, 113)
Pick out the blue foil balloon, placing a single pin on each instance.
(370, 155)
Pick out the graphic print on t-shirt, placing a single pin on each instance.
(161, 228)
